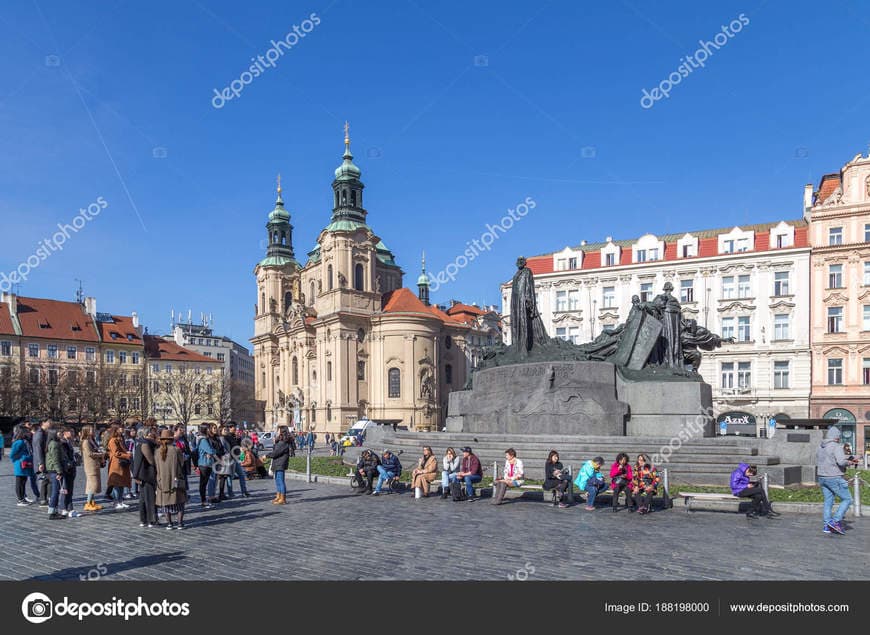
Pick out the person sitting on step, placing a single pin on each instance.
(556, 478)
(425, 472)
(511, 477)
(620, 480)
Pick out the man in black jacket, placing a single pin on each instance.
(40, 445)
(145, 474)
(367, 467)
(234, 442)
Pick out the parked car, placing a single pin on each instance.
(355, 431)
(266, 441)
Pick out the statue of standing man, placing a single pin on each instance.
(527, 329)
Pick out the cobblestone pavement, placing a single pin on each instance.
(328, 532)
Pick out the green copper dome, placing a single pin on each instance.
(277, 261)
(423, 279)
(345, 225)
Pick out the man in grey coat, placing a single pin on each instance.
(40, 445)
(831, 464)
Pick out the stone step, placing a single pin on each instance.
(530, 447)
(468, 438)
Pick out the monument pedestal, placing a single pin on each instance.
(680, 409)
(541, 398)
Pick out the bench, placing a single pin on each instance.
(688, 497)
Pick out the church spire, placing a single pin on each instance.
(347, 187)
(347, 154)
(423, 283)
(279, 200)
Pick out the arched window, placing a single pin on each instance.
(353, 198)
(328, 411)
(329, 276)
(394, 376)
(448, 374)
(358, 281)
(283, 238)
(295, 372)
(448, 342)
(336, 198)
(344, 197)
(262, 303)
(288, 300)
(311, 297)
(328, 371)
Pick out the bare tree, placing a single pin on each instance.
(10, 390)
(182, 391)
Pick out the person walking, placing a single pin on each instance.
(93, 460)
(171, 481)
(119, 467)
(280, 456)
(831, 464)
(68, 465)
(145, 476)
(22, 461)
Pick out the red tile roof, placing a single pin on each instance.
(53, 319)
(406, 301)
(6, 327)
(167, 350)
(459, 307)
(708, 245)
(122, 327)
(827, 185)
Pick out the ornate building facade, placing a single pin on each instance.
(339, 338)
(839, 216)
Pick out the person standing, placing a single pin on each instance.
(93, 460)
(183, 447)
(206, 458)
(40, 445)
(236, 442)
(68, 465)
(54, 473)
(119, 467)
(831, 464)
(22, 460)
(171, 481)
(145, 476)
(280, 456)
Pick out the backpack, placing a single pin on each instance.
(457, 491)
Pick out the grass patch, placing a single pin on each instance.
(320, 465)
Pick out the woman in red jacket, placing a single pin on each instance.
(620, 480)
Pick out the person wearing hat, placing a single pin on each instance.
(831, 464)
(470, 471)
(171, 487)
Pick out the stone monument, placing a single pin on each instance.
(639, 378)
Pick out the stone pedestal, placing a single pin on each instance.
(541, 398)
(679, 409)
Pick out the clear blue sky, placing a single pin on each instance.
(446, 145)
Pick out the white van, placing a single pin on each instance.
(356, 429)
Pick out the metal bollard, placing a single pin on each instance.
(308, 464)
(764, 483)
(666, 484)
(857, 505)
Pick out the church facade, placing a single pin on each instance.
(339, 338)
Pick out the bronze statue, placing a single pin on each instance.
(527, 329)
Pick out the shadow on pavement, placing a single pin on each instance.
(81, 573)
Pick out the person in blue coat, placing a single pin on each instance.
(22, 458)
(590, 480)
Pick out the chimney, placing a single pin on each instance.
(808, 195)
(135, 317)
(91, 306)
(12, 300)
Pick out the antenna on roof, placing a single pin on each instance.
(80, 294)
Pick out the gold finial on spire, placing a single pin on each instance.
(346, 134)
(424, 262)
(279, 183)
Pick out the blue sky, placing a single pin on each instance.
(458, 112)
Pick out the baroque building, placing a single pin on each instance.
(839, 218)
(339, 338)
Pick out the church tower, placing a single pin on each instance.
(423, 284)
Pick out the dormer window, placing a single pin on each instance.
(114, 335)
(609, 260)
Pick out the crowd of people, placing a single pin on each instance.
(150, 463)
